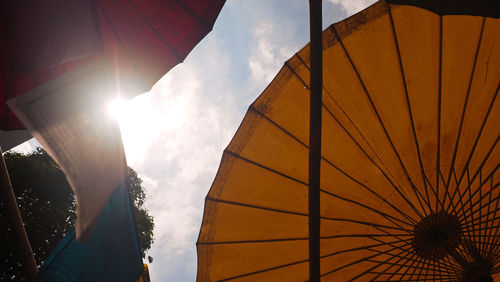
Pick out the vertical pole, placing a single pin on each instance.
(315, 14)
(11, 211)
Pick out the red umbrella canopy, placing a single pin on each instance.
(140, 40)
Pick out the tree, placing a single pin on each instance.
(143, 221)
(47, 207)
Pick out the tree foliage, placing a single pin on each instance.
(143, 221)
(47, 207)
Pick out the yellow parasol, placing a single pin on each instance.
(409, 170)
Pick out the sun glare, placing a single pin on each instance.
(138, 120)
(117, 108)
(143, 120)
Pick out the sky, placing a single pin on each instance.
(175, 134)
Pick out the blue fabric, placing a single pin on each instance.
(112, 253)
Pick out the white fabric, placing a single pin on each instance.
(68, 117)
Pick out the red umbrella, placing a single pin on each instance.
(140, 40)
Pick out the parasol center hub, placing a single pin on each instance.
(436, 235)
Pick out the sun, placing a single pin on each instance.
(145, 119)
(138, 121)
(117, 109)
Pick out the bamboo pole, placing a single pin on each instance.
(316, 28)
(11, 212)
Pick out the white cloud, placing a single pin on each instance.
(268, 56)
(352, 6)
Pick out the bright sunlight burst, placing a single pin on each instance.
(142, 121)
(137, 126)
(118, 108)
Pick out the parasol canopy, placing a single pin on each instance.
(410, 185)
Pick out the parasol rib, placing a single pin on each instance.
(98, 4)
(410, 251)
(421, 270)
(379, 119)
(379, 196)
(263, 270)
(361, 135)
(254, 206)
(479, 200)
(408, 267)
(451, 204)
(475, 175)
(203, 23)
(464, 212)
(462, 208)
(371, 224)
(392, 265)
(462, 118)
(408, 106)
(255, 110)
(179, 58)
(409, 262)
(439, 90)
(368, 247)
(355, 262)
(471, 154)
(493, 250)
(482, 216)
(365, 235)
(385, 215)
(486, 239)
(264, 167)
(295, 74)
(440, 267)
(385, 272)
(253, 241)
(417, 267)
